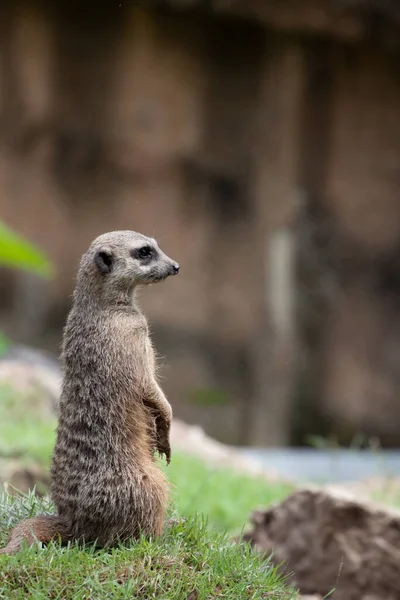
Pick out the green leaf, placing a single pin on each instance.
(18, 253)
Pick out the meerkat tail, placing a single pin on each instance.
(42, 528)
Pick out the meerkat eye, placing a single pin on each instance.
(145, 252)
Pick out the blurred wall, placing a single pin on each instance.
(132, 119)
(219, 137)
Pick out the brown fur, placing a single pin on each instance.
(105, 483)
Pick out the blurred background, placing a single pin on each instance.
(259, 142)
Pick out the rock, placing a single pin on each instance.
(33, 377)
(16, 477)
(330, 539)
(31, 356)
(192, 439)
(29, 392)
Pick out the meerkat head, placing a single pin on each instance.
(122, 260)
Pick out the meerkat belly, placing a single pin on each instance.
(108, 496)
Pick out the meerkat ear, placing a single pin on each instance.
(104, 260)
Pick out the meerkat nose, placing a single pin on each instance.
(175, 268)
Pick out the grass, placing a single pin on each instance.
(27, 431)
(30, 440)
(191, 561)
(225, 496)
(384, 490)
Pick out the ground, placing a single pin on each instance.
(191, 561)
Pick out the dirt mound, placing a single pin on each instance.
(330, 539)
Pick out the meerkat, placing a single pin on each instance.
(113, 415)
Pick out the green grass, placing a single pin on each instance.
(225, 496)
(30, 440)
(26, 429)
(385, 490)
(191, 561)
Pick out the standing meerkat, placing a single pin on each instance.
(113, 415)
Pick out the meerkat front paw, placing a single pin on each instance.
(162, 438)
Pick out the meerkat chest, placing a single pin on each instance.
(150, 355)
(135, 345)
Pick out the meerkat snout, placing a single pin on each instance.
(175, 269)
